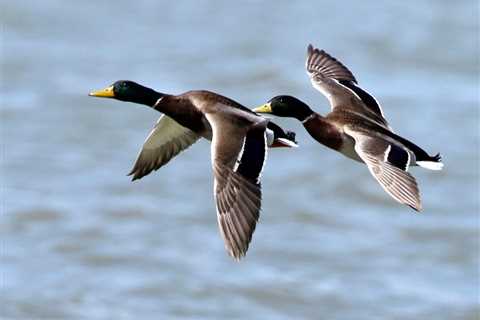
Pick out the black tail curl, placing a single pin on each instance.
(436, 158)
(291, 135)
(278, 132)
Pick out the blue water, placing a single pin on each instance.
(80, 241)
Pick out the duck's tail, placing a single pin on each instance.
(281, 138)
(433, 163)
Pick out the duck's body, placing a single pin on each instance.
(239, 148)
(356, 127)
(333, 132)
(191, 108)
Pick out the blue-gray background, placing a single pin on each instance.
(80, 241)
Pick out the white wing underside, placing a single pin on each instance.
(165, 141)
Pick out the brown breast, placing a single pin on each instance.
(324, 132)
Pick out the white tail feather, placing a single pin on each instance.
(288, 143)
(431, 165)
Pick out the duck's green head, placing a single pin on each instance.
(285, 106)
(125, 90)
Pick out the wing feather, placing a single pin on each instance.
(336, 82)
(237, 160)
(392, 176)
(321, 63)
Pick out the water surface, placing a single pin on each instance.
(80, 241)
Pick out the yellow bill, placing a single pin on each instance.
(266, 108)
(104, 93)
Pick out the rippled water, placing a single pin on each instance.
(80, 241)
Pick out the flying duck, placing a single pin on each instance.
(239, 138)
(356, 127)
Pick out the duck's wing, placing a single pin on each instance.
(165, 141)
(322, 64)
(388, 162)
(238, 157)
(336, 82)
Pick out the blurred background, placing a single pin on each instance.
(80, 241)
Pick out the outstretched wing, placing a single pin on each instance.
(165, 141)
(320, 63)
(388, 163)
(238, 157)
(334, 80)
